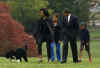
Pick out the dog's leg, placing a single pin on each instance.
(25, 58)
(18, 58)
(12, 59)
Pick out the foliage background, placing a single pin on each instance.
(27, 11)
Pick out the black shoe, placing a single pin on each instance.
(78, 61)
(63, 62)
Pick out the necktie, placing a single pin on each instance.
(67, 19)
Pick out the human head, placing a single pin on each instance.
(82, 26)
(66, 11)
(44, 12)
(55, 17)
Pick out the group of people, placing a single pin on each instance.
(53, 30)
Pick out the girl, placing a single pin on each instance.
(56, 38)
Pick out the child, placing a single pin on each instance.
(56, 38)
(85, 41)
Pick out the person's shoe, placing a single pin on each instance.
(78, 61)
(63, 62)
(90, 60)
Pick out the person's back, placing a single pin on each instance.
(84, 34)
(84, 41)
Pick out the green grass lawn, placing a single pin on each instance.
(95, 49)
(33, 64)
(95, 34)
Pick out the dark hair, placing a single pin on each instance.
(45, 10)
(67, 10)
(85, 25)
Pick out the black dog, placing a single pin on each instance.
(18, 54)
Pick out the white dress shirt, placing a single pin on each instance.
(69, 18)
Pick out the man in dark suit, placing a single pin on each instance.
(70, 31)
(43, 32)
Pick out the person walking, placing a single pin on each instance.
(70, 28)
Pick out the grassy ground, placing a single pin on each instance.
(95, 34)
(33, 64)
(95, 46)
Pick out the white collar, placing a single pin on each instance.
(69, 17)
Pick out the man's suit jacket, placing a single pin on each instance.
(71, 28)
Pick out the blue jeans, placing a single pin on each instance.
(57, 51)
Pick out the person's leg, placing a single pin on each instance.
(58, 52)
(25, 58)
(87, 47)
(39, 42)
(81, 55)
(48, 50)
(65, 51)
(74, 50)
(81, 49)
(52, 44)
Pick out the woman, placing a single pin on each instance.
(43, 32)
